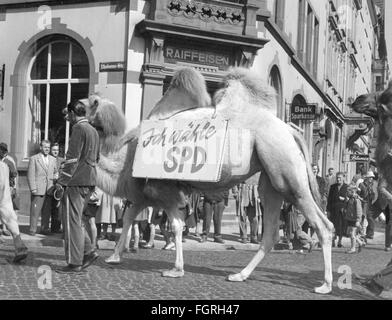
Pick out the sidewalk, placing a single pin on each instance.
(230, 232)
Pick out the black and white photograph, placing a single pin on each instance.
(195, 154)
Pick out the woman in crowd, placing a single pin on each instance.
(107, 215)
(336, 206)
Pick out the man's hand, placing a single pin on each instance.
(358, 224)
(33, 192)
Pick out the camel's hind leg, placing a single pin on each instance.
(129, 215)
(272, 207)
(177, 223)
(323, 228)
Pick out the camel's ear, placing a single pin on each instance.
(94, 99)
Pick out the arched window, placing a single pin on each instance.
(59, 73)
(276, 82)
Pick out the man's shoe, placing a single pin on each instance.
(254, 241)
(70, 269)
(244, 241)
(149, 246)
(203, 239)
(45, 232)
(370, 237)
(333, 244)
(6, 233)
(372, 286)
(340, 245)
(20, 255)
(387, 249)
(219, 240)
(31, 233)
(89, 259)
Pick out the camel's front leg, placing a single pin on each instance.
(129, 215)
(177, 222)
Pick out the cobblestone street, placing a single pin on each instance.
(282, 275)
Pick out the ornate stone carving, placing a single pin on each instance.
(205, 11)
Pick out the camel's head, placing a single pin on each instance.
(367, 104)
(106, 118)
(376, 105)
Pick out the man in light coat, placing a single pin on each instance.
(40, 175)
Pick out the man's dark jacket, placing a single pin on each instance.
(82, 156)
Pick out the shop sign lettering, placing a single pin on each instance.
(303, 112)
(174, 54)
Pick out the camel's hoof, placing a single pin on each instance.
(113, 260)
(173, 273)
(236, 278)
(324, 289)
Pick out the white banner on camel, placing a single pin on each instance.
(189, 150)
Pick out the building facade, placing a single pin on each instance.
(316, 54)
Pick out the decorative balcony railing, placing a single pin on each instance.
(235, 17)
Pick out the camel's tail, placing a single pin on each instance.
(312, 179)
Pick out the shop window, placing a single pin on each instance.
(59, 74)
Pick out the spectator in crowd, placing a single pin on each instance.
(13, 175)
(214, 205)
(382, 281)
(55, 205)
(359, 176)
(8, 216)
(296, 237)
(166, 231)
(373, 207)
(330, 179)
(152, 222)
(322, 186)
(353, 217)
(194, 214)
(108, 214)
(90, 213)
(142, 217)
(336, 206)
(363, 195)
(385, 195)
(41, 173)
(248, 208)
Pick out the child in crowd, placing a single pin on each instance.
(353, 217)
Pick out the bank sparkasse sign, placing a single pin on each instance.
(306, 112)
(359, 158)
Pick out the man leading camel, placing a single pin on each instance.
(78, 177)
(7, 214)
